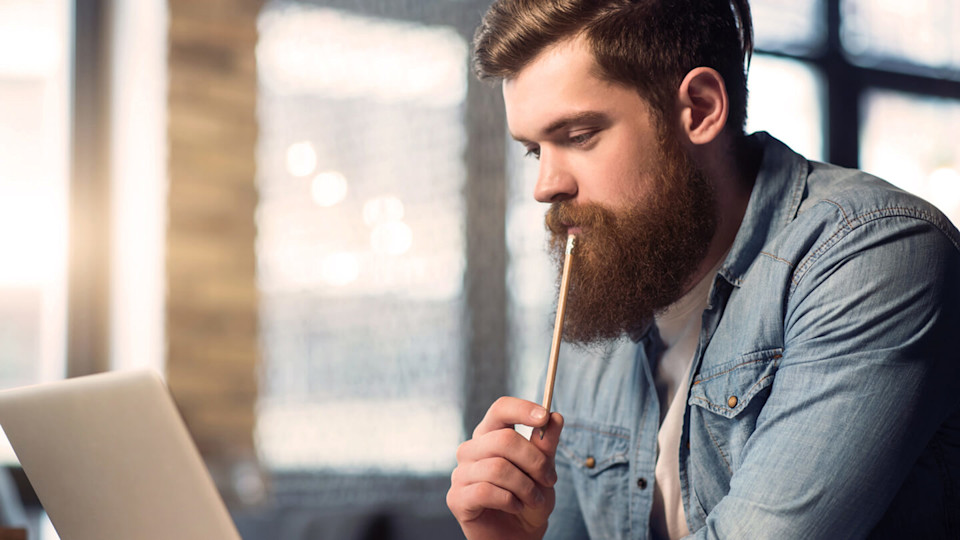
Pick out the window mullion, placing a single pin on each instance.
(844, 88)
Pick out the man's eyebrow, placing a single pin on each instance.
(585, 117)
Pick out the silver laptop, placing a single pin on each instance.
(110, 458)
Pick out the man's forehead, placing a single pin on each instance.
(557, 87)
(559, 56)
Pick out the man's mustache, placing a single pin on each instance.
(564, 215)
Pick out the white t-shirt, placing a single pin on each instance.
(679, 328)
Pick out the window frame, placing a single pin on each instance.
(88, 281)
(847, 82)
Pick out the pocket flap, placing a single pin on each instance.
(593, 447)
(728, 389)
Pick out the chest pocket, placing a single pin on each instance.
(596, 457)
(725, 401)
(729, 389)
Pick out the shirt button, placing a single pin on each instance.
(642, 483)
(732, 402)
(590, 462)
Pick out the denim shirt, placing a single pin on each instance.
(825, 390)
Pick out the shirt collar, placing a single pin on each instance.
(773, 204)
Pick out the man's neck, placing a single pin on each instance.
(732, 165)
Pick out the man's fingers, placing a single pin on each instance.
(514, 448)
(503, 474)
(467, 502)
(507, 412)
(502, 471)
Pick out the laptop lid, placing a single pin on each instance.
(110, 457)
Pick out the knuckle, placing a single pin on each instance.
(498, 468)
(550, 475)
(451, 500)
(504, 407)
(485, 491)
(539, 463)
(498, 498)
(462, 451)
(530, 491)
(508, 500)
(455, 504)
(504, 437)
(454, 476)
(545, 469)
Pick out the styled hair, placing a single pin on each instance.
(647, 44)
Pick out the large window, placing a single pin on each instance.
(53, 131)
(34, 161)
(361, 240)
(864, 83)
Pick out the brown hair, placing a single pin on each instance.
(647, 44)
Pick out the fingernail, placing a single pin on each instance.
(539, 498)
(538, 413)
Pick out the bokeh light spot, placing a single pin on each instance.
(301, 158)
(328, 188)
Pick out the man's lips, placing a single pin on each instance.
(572, 228)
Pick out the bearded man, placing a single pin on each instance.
(777, 351)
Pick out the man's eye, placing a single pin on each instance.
(582, 138)
(533, 151)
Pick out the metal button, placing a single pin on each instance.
(590, 462)
(642, 483)
(732, 402)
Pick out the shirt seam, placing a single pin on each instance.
(800, 184)
(855, 222)
(732, 368)
(781, 259)
(726, 461)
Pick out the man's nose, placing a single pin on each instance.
(555, 183)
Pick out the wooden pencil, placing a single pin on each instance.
(558, 328)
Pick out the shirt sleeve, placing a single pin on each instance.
(869, 374)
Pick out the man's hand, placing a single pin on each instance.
(503, 484)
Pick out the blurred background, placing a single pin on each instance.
(310, 218)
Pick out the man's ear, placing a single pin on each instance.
(704, 105)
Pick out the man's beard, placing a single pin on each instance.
(630, 264)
